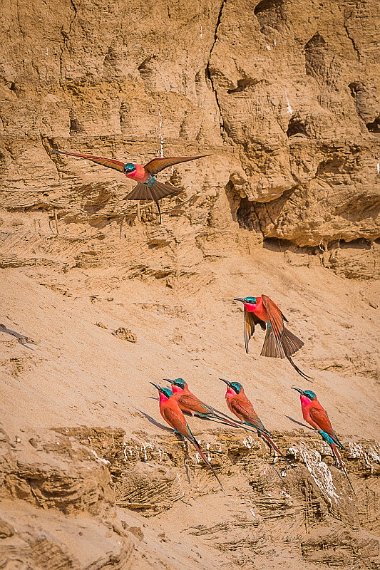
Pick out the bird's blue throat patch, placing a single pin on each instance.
(150, 182)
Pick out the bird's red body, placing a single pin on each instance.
(173, 415)
(315, 415)
(239, 405)
(148, 187)
(279, 341)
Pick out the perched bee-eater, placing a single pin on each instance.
(279, 342)
(191, 404)
(315, 415)
(239, 405)
(173, 415)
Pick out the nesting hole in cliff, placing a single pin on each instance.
(296, 127)
(269, 13)
(360, 243)
(374, 127)
(243, 84)
(75, 126)
(246, 215)
(145, 68)
(355, 87)
(334, 165)
(315, 50)
(276, 244)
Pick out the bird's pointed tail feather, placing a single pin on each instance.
(161, 189)
(283, 347)
(156, 192)
(192, 440)
(339, 463)
(298, 370)
(269, 441)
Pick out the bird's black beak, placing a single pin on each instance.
(168, 380)
(298, 389)
(225, 381)
(156, 386)
(239, 299)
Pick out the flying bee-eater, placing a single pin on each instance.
(279, 342)
(148, 187)
(173, 415)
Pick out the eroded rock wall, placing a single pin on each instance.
(301, 510)
(285, 100)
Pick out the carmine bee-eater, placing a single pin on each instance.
(148, 187)
(279, 341)
(173, 415)
(191, 404)
(239, 405)
(316, 416)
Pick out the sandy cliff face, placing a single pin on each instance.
(100, 298)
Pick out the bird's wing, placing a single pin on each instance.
(175, 418)
(250, 320)
(193, 403)
(108, 162)
(158, 164)
(245, 412)
(275, 316)
(320, 417)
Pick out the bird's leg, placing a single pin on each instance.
(159, 211)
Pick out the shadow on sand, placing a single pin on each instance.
(22, 339)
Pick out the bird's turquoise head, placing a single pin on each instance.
(179, 382)
(308, 393)
(235, 386)
(129, 167)
(166, 392)
(248, 300)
